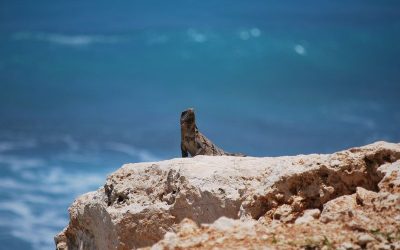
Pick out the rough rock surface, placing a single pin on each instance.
(349, 200)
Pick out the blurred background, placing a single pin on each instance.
(86, 86)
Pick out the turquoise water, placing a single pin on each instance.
(86, 87)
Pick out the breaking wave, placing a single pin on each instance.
(69, 40)
(37, 190)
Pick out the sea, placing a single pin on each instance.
(86, 86)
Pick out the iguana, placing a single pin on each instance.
(194, 142)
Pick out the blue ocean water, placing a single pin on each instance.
(86, 86)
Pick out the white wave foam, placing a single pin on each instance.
(143, 155)
(63, 39)
(17, 164)
(57, 184)
(36, 199)
(44, 191)
(299, 49)
(78, 157)
(196, 36)
(15, 207)
(11, 184)
(64, 183)
(249, 33)
(71, 142)
(10, 145)
(36, 218)
(255, 32)
(37, 228)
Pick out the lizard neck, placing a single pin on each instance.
(189, 130)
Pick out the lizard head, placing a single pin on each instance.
(187, 117)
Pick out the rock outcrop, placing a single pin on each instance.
(349, 200)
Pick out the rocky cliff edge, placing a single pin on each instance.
(348, 200)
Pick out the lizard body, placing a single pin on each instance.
(195, 143)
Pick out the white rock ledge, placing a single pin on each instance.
(141, 202)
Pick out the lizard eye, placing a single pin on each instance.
(184, 113)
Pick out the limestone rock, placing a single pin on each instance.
(363, 239)
(309, 216)
(244, 202)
